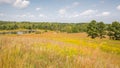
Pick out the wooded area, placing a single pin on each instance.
(93, 28)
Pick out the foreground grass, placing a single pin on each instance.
(62, 50)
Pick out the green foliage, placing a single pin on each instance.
(96, 29)
(101, 27)
(62, 27)
(114, 30)
(92, 29)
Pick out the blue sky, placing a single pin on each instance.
(60, 10)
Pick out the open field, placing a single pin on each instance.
(58, 50)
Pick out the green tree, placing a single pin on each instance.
(92, 29)
(15, 26)
(114, 30)
(3, 27)
(101, 27)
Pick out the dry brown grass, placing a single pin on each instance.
(58, 50)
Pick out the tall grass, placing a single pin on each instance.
(58, 51)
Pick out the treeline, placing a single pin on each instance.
(94, 29)
(101, 30)
(62, 27)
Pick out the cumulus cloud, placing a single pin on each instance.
(6, 1)
(1, 14)
(31, 16)
(118, 7)
(21, 3)
(42, 16)
(62, 11)
(76, 15)
(22, 16)
(88, 12)
(104, 14)
(27, 15)
(73, 16)
(16, 3)
(75, 3)
(37, 9)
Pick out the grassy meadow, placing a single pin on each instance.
(58, 50)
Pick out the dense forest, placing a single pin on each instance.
(93, 29)
(62, 27)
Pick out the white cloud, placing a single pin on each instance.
(27, 15)
(37, 9)
(31, 16)
(118, 7)
(73, 16)
(75, 3)
(16, 3)
(42, 16)
(21, 3)
(22, 16)
(6, 1)
(62, 11)
(88, 12)
(1, 14)
(104, 14)
(76, 15)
